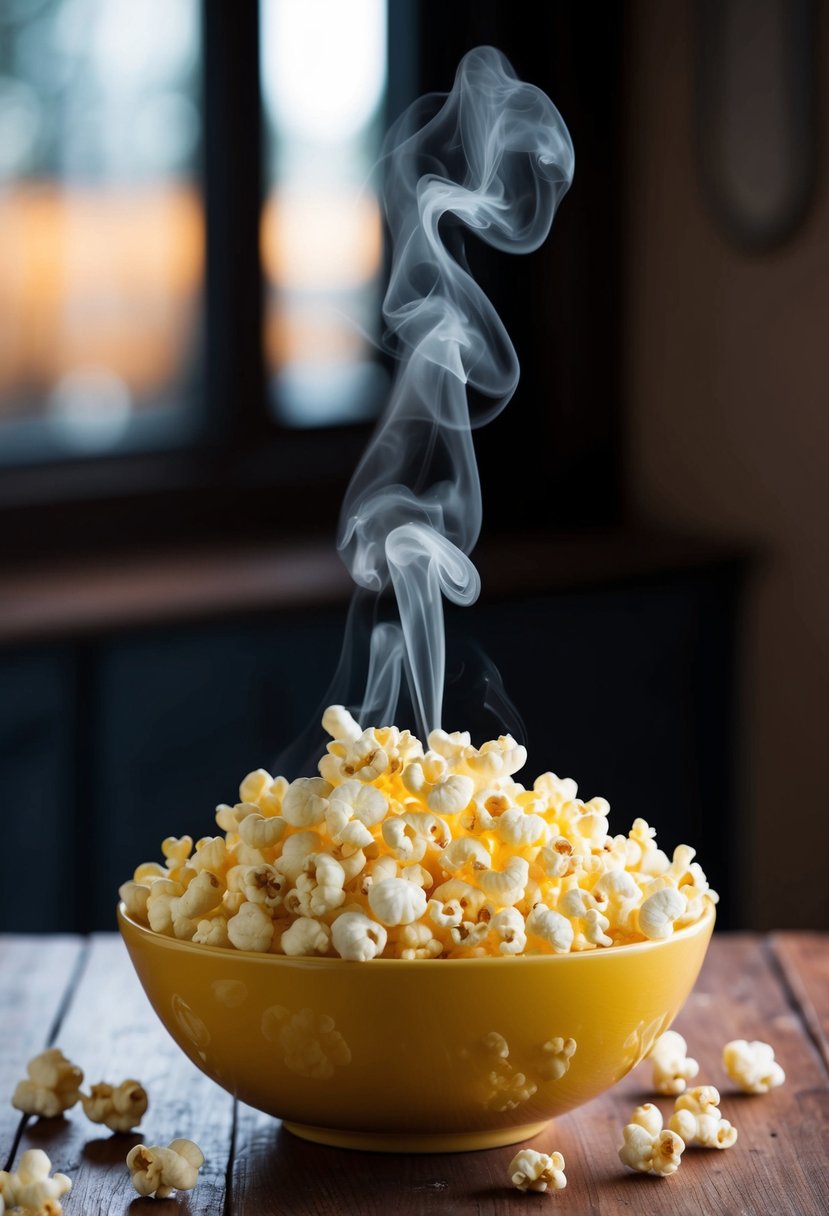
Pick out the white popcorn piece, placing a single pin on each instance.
(159, 1171)
(160, 904)
(264, 885)
(658, 913)
(202, 895)
(366, 803)
(135, 896)
(394, 901)
(212, 932)
(752, 1066)
(251, 928)
(211, 854)
(672, 1067)
(530, 1170)
(648, 1147)
(52, 1086)
(465, 852)
(295, 850)
(506, 886)
(338, 722)
(362, 758)
(495, 759)
(451, 796)
(262, 833)
(358, 938)
(697, 1119)
(522, 830)
(305, 802)
(254, 785)
(120, 1107)
(306, 936)
(551, 927)
(508, 927)
(30, 1190)
(446, 915)
(450, 746)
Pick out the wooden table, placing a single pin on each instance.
(81, 995)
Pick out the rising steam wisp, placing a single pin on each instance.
(496, 158)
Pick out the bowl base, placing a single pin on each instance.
(415, 1142)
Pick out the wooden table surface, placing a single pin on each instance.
(81, 995)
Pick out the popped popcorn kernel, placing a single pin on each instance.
(440, 847)
(647, 1146)
(52, 1086)
(160, 1171)
(530, 1170)
(120, 1108)
(672, 1067)
(752, 1066)
(30, 1190)
(697, 1119)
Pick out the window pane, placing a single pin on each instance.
(101, 223)
(323, 82)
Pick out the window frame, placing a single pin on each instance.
(247, 477)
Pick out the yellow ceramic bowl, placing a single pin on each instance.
(430, 1055)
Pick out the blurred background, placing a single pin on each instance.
(191, 270)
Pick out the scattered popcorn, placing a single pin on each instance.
(120, 1108)
(30, 1190)
(52, 1087)
(530, 1170)
(752, 1066)
(672, 1067)
(648, 1147)
(396, 850)
(697, 1119)
(160, 1171)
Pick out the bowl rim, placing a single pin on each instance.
(200, 949)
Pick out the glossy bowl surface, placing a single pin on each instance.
(429, 1055)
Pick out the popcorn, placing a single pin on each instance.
(530, 1170)
(120, 1108)
(416, 853)
(159, 1171)
(658, 913)
(648, 1147)
(672, 1067)
(697, 1119)
(251, 928)
(752, 1066)
(52, 1087)
(394, 901)
(357, 937)
(30, 1190)
(306, 936)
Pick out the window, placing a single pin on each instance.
(323, 71)
(101, 224)
(102, 220)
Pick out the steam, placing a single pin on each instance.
(496, 158)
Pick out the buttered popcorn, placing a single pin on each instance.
(399, 851)
(31, 1190)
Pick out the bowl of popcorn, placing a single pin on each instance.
(412, 950)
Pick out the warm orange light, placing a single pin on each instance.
(323, 241)
(103, 277)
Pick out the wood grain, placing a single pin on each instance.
(34, 975)
(804, 961)
(749, 988)
(112, 1033)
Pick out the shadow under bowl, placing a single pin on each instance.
(429, 1055)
